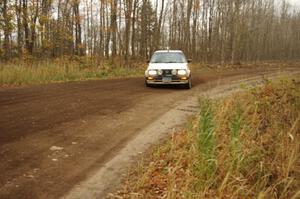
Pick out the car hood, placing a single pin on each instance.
(167, 66)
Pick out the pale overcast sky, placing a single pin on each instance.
(295, 2)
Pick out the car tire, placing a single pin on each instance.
(146, 84)
(188, 85)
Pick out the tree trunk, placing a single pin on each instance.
(187, 31)
(114, 26)
(6, 45)
(79, 50)
(18, 7)
(26, 28)
(33, 28)
(128, 12)
(133, 28)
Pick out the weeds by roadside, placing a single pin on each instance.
(62, 70)
(245, 146)
(37, 71)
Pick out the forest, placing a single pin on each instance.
(223, 31)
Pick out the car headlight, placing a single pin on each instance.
(182, 72)
(174, 72)
(160, 72)
(152, 72)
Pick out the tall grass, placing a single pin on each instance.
(235, 142)
(206, 166)
(61, 70)
(245, 146)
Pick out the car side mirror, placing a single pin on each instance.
(189, 60)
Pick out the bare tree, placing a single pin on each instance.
(78, 42)
(7, 29)
(226, 31)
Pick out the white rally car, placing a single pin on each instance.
(168, 67)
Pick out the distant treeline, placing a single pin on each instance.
(206, 30)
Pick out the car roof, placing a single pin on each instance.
(167, 51)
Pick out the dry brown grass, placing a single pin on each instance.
(24, 72)
(251, 150)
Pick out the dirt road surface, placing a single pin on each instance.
(52, 137)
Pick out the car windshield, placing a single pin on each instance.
(168, 57)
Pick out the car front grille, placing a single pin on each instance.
(167, 73)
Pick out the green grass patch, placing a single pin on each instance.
(206, 166)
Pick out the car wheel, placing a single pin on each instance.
(146, 84)
(188, 85)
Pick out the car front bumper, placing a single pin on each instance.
(172, 80)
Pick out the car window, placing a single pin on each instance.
(168, 57)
